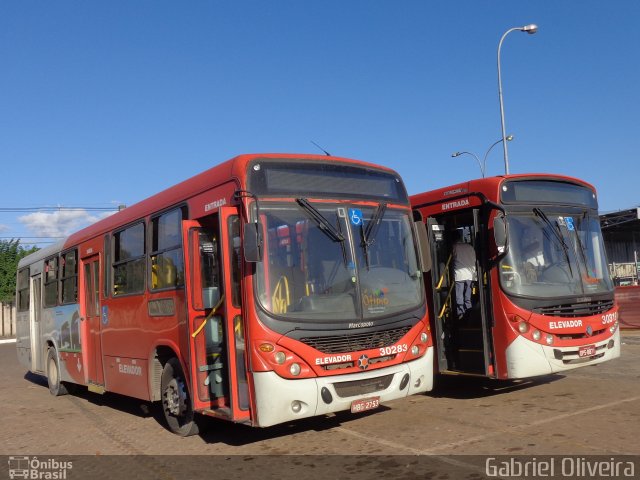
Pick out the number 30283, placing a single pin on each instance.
(394, 349)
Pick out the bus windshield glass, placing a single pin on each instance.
(316, 266)
(554, 254)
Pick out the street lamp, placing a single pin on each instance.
(483, 165)
(457, 154)
(530, 29)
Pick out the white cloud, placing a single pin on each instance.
(4, 228)
(60, 223)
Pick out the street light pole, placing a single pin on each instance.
(530, 29)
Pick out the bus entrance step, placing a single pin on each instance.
(469, 338)
(470, 360)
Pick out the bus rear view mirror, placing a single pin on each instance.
(252, 242)
(500, 232)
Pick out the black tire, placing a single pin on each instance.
(176, 402)
(56, 387)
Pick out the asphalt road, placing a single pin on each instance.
(589, 411)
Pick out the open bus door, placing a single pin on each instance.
(442, 289)
(216, 330)
(484, 292)
(462, 345)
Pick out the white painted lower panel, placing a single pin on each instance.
(529, 359)
(275, 395)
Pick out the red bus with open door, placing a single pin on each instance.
(542, 299)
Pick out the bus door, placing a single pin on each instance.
(484, 292)
(442, 288)
(216, 330)
(37, 346)
(463, 344)
(91, 323)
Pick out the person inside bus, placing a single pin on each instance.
(464, 269)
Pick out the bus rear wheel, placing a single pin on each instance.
(176, 403)
(56, 387)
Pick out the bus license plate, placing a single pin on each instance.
(587, 351)
(365, 404)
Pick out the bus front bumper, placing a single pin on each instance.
(529, 359)
(280, 400)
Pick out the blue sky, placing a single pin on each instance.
(108, 102)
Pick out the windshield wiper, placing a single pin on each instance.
(323, 224)
(369, 233)
(557, 233)
(581, 246)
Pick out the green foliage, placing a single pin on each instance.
(10, 254)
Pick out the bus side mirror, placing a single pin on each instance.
(500, 234)
(424, 246)
(252, 242)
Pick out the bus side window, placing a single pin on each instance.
(167, 265)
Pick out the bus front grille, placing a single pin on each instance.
(576, 309)
(355, 342)
(362, 387)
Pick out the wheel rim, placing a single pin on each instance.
(175, 398)
(53, 372)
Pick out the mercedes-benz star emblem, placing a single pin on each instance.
(363, 362)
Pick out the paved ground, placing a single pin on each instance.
(589, 411)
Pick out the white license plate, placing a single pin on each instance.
(587, 351)
(365, 404)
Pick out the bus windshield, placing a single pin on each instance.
(318, 267)
(554, 254)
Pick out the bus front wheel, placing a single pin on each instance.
(56, 387)
(176, 403)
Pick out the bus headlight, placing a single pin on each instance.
(280, 357)
(415, 350)
(536, 335)
(549, 339)
(523, 327)
(295, 369)
(424, 337)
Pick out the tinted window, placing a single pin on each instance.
(129, 261)
(51, 282)
(69, 277)
(23, 290)
(236, 259)
(167, 264)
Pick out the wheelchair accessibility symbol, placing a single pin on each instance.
(355, 215)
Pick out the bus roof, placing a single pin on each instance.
(488, 186)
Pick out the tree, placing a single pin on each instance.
(10, 254)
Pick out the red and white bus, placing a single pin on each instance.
(266, 289)
(543, 301)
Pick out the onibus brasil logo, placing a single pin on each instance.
(34, 468)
